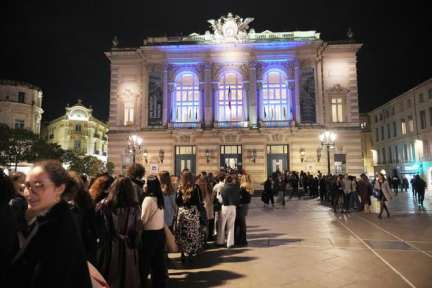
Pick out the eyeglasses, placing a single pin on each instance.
(36, 187)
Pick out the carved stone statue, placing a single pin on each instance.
(230, 28)
(115, 42)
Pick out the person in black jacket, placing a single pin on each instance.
(246, 190)
(53, 254)
(420, 185)
(295, 184)
(8, 223)
(268, 196)
(323, 189)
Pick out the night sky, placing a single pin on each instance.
(59, 45)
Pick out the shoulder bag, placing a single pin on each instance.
(170, 244)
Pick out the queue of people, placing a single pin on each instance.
(59, 227)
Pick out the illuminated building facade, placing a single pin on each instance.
(402, 133)
(21, 105)
(235, 98)
(79, 131)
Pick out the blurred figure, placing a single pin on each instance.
(53, 255)
(19, 204)
(268, 192)
(8, 224)
(420, 185)
(337, 192)
(152, 255)
(207, 198)
(217, 205)
(366, 192)
(118, 260)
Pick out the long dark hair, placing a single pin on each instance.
(121, 195)
(166, 182)
(154, 190)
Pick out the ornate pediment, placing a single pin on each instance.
(277, 137)
(184, 138)
(230, 28)
(230, 138)
(337, 89)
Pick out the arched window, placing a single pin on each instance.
(230, 98)
(186, 99)
(275, 104)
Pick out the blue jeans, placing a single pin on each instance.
(355, 202)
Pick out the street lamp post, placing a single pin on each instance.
(328, 141)
(134, 146)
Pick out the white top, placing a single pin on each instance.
(216, 191)
(151, 216)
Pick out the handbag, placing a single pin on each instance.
(203, 212)
(376, 193)
(170, 244)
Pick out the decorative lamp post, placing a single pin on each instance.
(145, 154)
(328, 141)
(161, 155)
(302, 154)
(134, 146)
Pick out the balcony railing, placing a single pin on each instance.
(78, 133)
(180, 125)
(97, 135)
(288, 123)
(231, 124)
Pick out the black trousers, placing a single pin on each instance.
(395, 188)
(347, 201)
(421, 195)
(152, 258)
(295, 190)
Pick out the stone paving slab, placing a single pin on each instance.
(305, 244)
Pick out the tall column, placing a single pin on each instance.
(253, 115)
(165, 96)
(144, 96)
(297, 90)
(319, 92)
(208, 108)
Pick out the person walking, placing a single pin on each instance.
(337, 192)
(53, 254)
(152, 254)
(279, 189)
(323, 189)
(118, 259)
(404, 184)
(395, 182)
(420, 185)
(413, 188)
(354, 201)
(230, 200)
(365, 191)
(187, 232)
(207, 198)
(385, 193)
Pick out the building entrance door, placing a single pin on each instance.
(277, 158)
(185, 158)
(231, 157)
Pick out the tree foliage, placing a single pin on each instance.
(81, 163)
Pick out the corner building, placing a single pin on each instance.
(234, 97)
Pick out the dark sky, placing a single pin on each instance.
(59, 45)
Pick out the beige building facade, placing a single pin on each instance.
(21, 105)
(79, 131)
(235, 98)
(366, 140)
(402, 134)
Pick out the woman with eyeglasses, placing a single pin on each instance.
(53, 254)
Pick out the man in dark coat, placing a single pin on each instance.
(136, 172)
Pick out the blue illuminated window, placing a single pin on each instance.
(275, 99)
(230, 98)
(186, 107)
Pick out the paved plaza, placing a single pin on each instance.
(305, 244)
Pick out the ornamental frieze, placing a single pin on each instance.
(156, 67)
(217, 68)
(174, 69)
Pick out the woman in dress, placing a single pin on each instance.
(53, 254)
(187, 233)
(383, 186)
(152, 256)
(118, 259)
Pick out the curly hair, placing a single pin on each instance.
(135, 171)
(100, 185)
(186, 186)
(205, 186)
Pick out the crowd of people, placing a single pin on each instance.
(344, 192)
(58, 226)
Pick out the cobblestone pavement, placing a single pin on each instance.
(305, 244)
